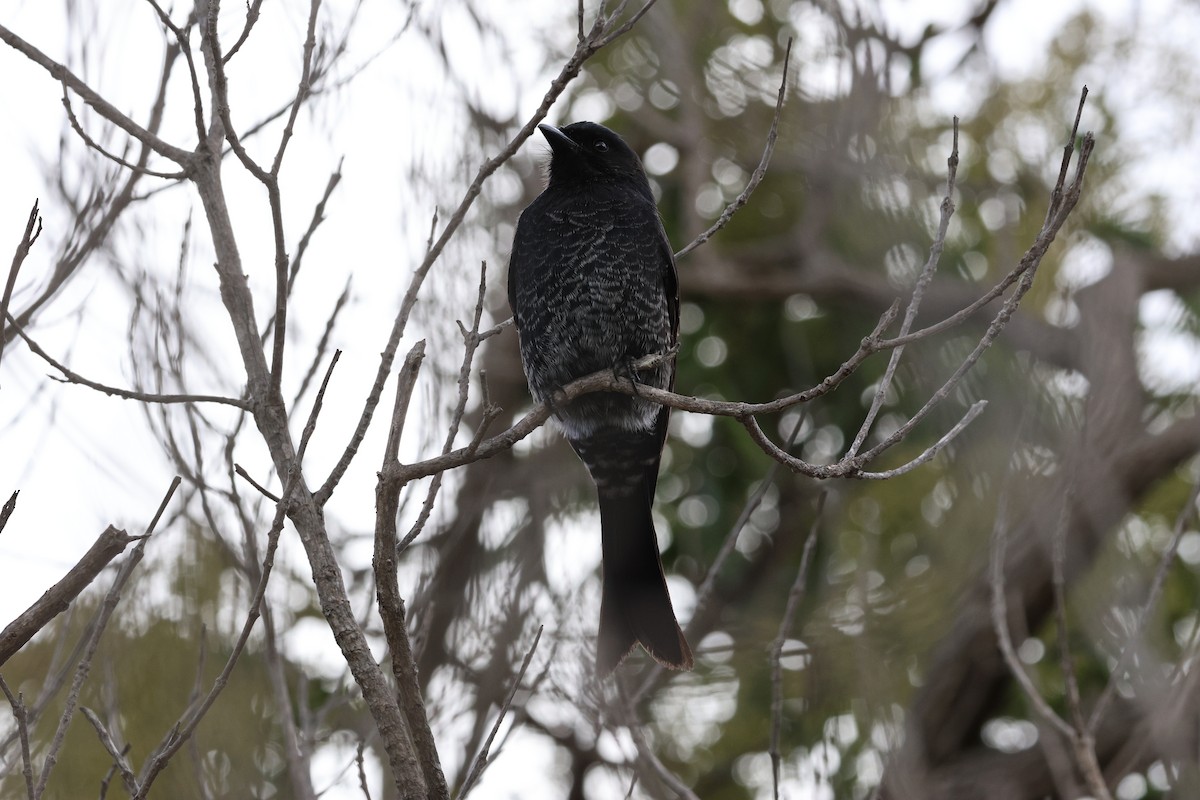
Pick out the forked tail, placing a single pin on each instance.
(635, 607)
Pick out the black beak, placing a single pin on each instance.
(559, 141)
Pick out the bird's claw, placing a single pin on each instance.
(625, 369)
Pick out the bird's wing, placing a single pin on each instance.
(514, 271)
(670, 278)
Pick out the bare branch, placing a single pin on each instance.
(93, 640)
(471, 342)
(1030, 262)
(481, 760)
(70, 376)
(645, 755)
(93, 144)
(914, 303)
(760, 171)
(604, 380)
(1156, 587)
(420, 769)
(240, 470)
(110, 544)
(252, 11)
(362, 772)
(118, 755)
(6, 511)
(974, 411)
(182, 730)
(105, 109)
(1000, 624)
(33, 229)
(795, 596)
(21, 715)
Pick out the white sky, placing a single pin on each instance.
(82, 461)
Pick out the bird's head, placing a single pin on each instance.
(585, 152)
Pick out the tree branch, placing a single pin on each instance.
(105, 109)
(760, 171)
(57, 599)
(33, 229)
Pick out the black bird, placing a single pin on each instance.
(592, 286)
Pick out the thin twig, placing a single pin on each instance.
(1056, 197)
(1058, 560)
(974, 411)
(471, 342)
(93, 144)
(117, 753)
(282, 273)
(795, 597)
(317, 218)
(914, 303)
(323, 342)
(362, 772)
(6, 511)
(21, 715)
(184, 45)
(1156, 587)
(70, 376)
(760, 171)
(1083, 742)
(105, 109)
(252, 12)
(240, 470)
(612, 35)
(310, 426)
(481, 760)
(183, 729)
(1000, 624)
(33, 229)
(103, 614)
(646, 755)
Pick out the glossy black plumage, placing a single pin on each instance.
(592, 286)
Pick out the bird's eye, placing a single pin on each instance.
(601, 147)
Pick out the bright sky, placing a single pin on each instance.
(82, 460)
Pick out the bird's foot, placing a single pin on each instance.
(556, 399)
(625, 369)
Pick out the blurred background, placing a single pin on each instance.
(892, 682)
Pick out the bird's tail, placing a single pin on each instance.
(635, 607)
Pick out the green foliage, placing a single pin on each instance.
(164, 646)
(864, 190)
